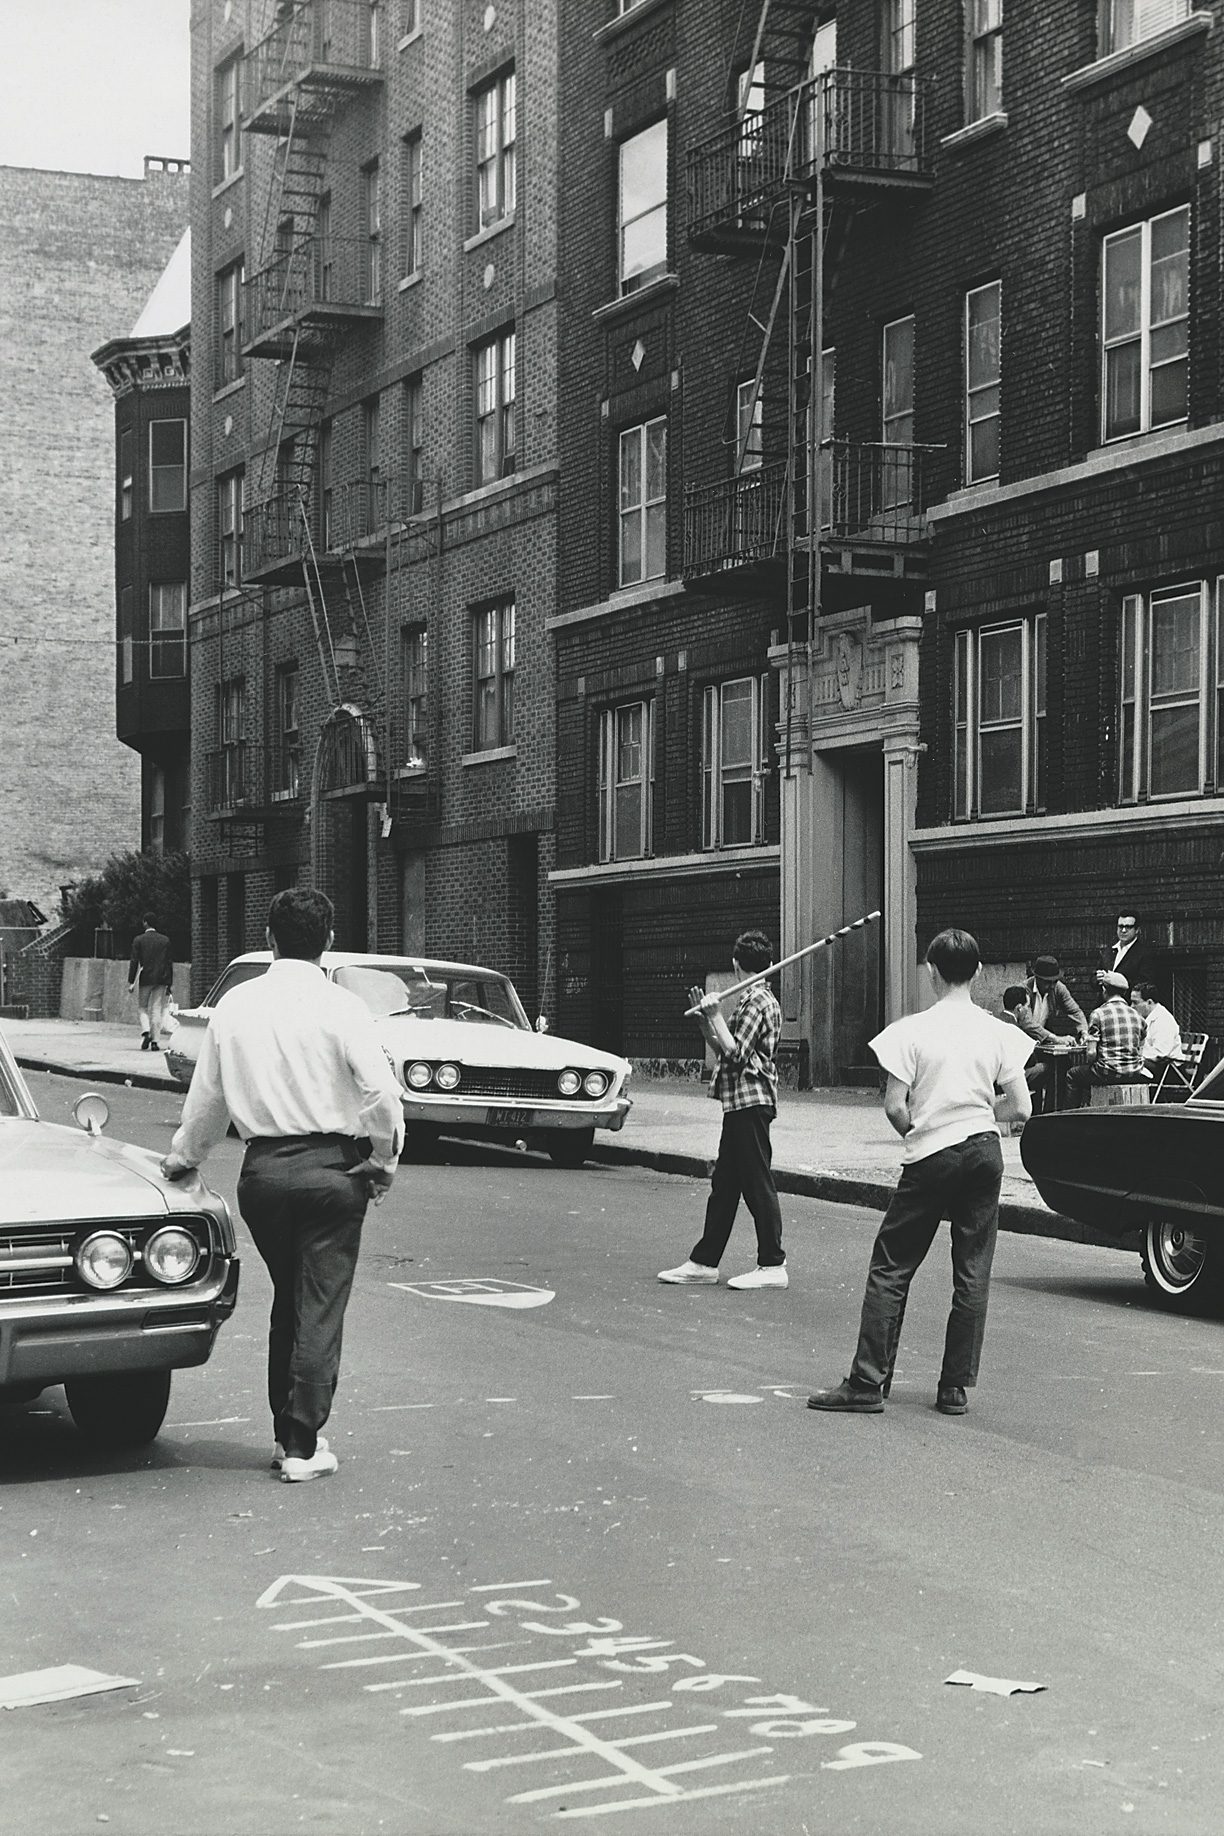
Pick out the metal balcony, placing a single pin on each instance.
(863, 132)
(735, 524)
(232, 786)
(317, 55)
(318, 286)
(348, 527)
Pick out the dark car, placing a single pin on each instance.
(1156, 1169)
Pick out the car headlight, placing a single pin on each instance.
(595, 1083)
(446, 1077)
(417, 1076)
(569, 1083)
(171, 1254)
(104, 1259)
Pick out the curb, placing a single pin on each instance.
(98, 1074)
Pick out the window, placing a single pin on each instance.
(228, 786)
(1172, 693)
(287, 760)
(157, 809)
(371, 416)
(493, 632)
(414, 446)
(125, 475)
(229, 140)
(642, 208)
(412, 205)
(1126, 22)
(1145, 306)
(168, 629)
(410, 18)
(229, 525)
(749, 418)
(326, 275)
(126, 661)
(414, 664)
(985, 58)
(626, 781)
(167, 465)
(897, 429)
(495, 430)
(326, 472)
(734, 762)
(372, 204)
(231, 327)
(496, 130)
(643, 502)
(983, 307)
(374, 29)
(897, 54)
(999, 701)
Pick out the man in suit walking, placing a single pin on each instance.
(153, 967)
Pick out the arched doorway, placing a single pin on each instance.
(345, 771)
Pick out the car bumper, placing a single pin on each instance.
(45, 1341)
(179, 1067)
(441, 1112)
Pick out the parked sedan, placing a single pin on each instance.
(466, 1056)
(110, 1277)
(1157, 1169)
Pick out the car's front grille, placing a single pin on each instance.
(38, 1258)
(508, 1085)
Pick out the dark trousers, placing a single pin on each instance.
(962, 1184)
(1081, 1078)
(744, 1169)
(304, 1213)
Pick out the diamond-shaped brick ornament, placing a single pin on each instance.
(637, 355)
(1140, 126)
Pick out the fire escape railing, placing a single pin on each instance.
(317, 276)
(327, 39)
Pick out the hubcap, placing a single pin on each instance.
(1177, 1254)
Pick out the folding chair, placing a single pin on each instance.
(1182, 1074)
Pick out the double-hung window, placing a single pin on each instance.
(999, 703)
(1171, 723)
(168, 629)
(626, 781)
(642, 208)
(375, 516)
(125, 475)
(413, 204)
(1126, 22)
(229, 526)
(414, 446)
(496, 135)
(167, 465)
(414, 667)
(495, 399)
(897, 419)
(983, 309)
(493, 642)
(372, 200)
(897, 28)
(643, 502)
(374, 31)
(229, 133)
(1145, 324)
(749, 423)
(231, 327)
(287, 760)
(228, 786)
(127, 660)
(985, 58)
(734, 762)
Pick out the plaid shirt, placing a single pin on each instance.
(1120, 1031)
(746, 1078)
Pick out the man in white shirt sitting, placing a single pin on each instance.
(1162, 1040)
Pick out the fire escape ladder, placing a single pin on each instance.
(355, 595)
(781, 44)
(316, 597)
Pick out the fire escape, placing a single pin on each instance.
(833, 517)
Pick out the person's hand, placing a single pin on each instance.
(377, 1179)
(706, 1003)
(174, 1167)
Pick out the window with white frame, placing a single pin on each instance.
(897, 32)
(1145, 324)
(167, 465)
(493, 640)
(496, 112)
(985, 59)
(1128, 22)
(642, 207)
(287, 762)
(626, 781)
(374, 30)
(414, 446)
(749, 426)
(372, 207)
(897, 417)
(495, 402)
(229, 527)
(643, 502)
(168, 629)
(228, 131)
(1171, 727)
(999, 719)
(983, 318)
(413, 204)
(414, 669)
(231, 329)
(734, 762)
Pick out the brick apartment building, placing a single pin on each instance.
(79, 256)
(891, 527)
(373, 475)
(148, 372)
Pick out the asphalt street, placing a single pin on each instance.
(589, 1557)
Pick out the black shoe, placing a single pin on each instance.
(849, 1399)
(951, 1399)
(146, 1040)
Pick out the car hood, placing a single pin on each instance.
(49, 1173)
(467, 1043)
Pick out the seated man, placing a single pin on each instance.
(1118, 1032)
(1162, 1040)
(1016, 1009)
(1053, 1011)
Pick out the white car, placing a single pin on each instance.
(465, 1053)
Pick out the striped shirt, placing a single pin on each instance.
(747, 1078)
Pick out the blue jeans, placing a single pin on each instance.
(962, 1184)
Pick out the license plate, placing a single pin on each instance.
(510, 1118)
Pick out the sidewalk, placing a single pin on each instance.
(828, 1144)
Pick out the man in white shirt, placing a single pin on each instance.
(954, 1074)
(1162, 1040)
(297, 1064)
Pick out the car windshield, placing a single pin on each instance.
(408, 988)
(11, 1103)
(234, 976)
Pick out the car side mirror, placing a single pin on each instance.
(91, 1112)
(541, 1025)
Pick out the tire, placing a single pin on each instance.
(569, 1147)
(124, 1411)
(1184, 1270)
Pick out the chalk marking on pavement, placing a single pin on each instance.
(608, 1398)
(410, 1657)
(685, 1797)
(390, 1408)
(220, 1421)
(479, 1291)
(504, 1587)
(632, 1708)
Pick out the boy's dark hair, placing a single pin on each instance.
(299, 919)
(149, 922)
(1147, 991)
(753, 951)
(1014, 997)
(956, 956)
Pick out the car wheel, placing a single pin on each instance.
(1183, 1269)
(570, 1147)
(124, 1411)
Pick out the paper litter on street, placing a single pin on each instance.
(58, 1684)
(994, 1686)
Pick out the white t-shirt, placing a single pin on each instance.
(952, 1057)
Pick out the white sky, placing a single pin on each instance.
(94, 85)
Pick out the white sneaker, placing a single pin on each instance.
(775, 1277)
(320, 1465)
(691, 1274)
(278, 1452)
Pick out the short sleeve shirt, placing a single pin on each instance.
(952, 1058)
